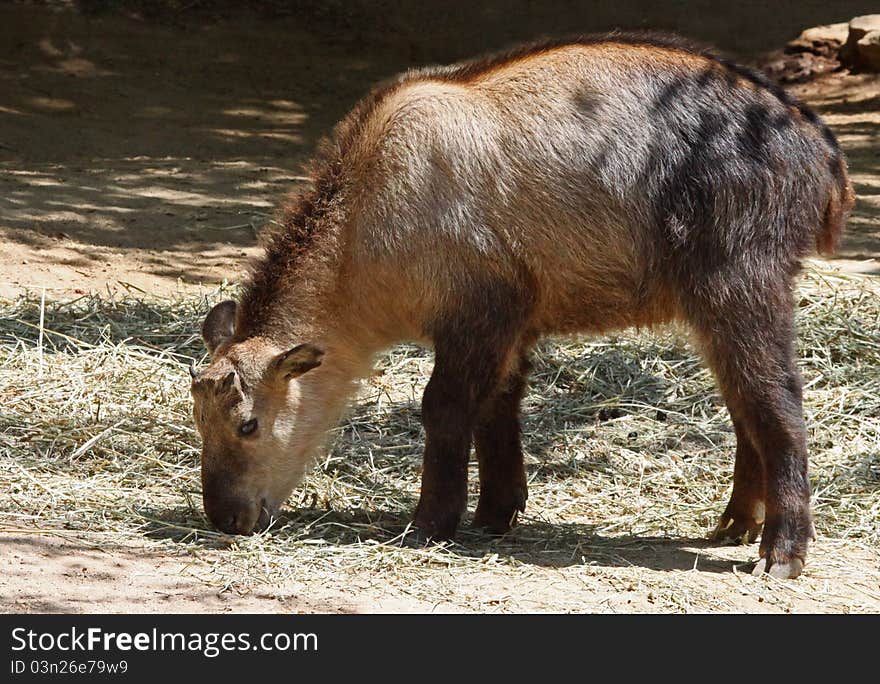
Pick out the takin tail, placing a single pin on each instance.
(840, 202)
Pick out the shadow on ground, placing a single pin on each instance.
(531, 543)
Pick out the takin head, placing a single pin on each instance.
(246, 405)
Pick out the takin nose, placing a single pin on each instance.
(232, 515)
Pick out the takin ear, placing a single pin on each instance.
(294, 362)
(219, 325)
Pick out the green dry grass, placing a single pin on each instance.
(629, 450)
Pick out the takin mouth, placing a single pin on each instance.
(268, 516)
(242, 523)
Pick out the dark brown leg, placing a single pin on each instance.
(751, 349)
(743, 519)
(503, 489)
(472, 355)
(777, 425)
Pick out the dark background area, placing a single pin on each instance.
(443, 30)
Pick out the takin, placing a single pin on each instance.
(569, 187)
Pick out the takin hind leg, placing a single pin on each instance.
(743, 519)
(503, 488)
(749, 343)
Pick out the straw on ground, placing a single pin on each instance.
(628, 448)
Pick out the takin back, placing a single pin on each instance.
(568, 187)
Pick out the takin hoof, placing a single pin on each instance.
(423, 533)
(416, 538)
(784, 545)
(740, 524)
(737, 530)
(497, 519)
(419, 538)
(494, 523)
(787, 570)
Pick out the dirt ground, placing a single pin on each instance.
(142, 157)
(40, 574)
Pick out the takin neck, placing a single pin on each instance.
(292, 292)
(298, 290)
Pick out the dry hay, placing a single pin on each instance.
(629, 450)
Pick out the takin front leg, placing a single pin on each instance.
(469, 363)
(743, 519)
(503, 488)
(447, 415)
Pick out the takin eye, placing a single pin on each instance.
(248, 428)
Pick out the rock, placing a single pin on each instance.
(868, 49)
(821, 40)
(864, 24)
(799, 67)
(858, 29)
(829, 33)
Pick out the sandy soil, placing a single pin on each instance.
(144, 156)
(49, 574)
